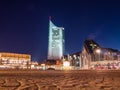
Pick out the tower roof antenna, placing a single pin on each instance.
(50, 17)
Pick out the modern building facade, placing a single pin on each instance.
(14, 59)
(56, 42)
(95, 56)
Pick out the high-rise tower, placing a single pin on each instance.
(56, 41)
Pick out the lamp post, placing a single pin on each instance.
(98, 51)
(118, 58)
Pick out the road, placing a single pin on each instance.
(59, 80)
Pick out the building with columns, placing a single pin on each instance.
(14, 60)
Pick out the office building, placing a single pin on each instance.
(56, 42)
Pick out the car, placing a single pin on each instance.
(50, 68)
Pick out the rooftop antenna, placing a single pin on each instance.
(50, 17)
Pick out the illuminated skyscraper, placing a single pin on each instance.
(56, 41)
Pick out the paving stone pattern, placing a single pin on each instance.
(59, 80)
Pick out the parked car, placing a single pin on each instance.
(50, 68)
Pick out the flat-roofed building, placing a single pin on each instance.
(14, 59)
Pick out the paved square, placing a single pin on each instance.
(59, 80)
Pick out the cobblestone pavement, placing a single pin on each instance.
(59, 80)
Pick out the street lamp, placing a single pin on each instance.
(98, 51)
(118, 57)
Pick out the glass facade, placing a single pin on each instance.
(56, 41)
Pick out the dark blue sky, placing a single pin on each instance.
(24, 24)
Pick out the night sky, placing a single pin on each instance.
(24, 24)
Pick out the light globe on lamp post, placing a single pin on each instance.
(98, 50)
